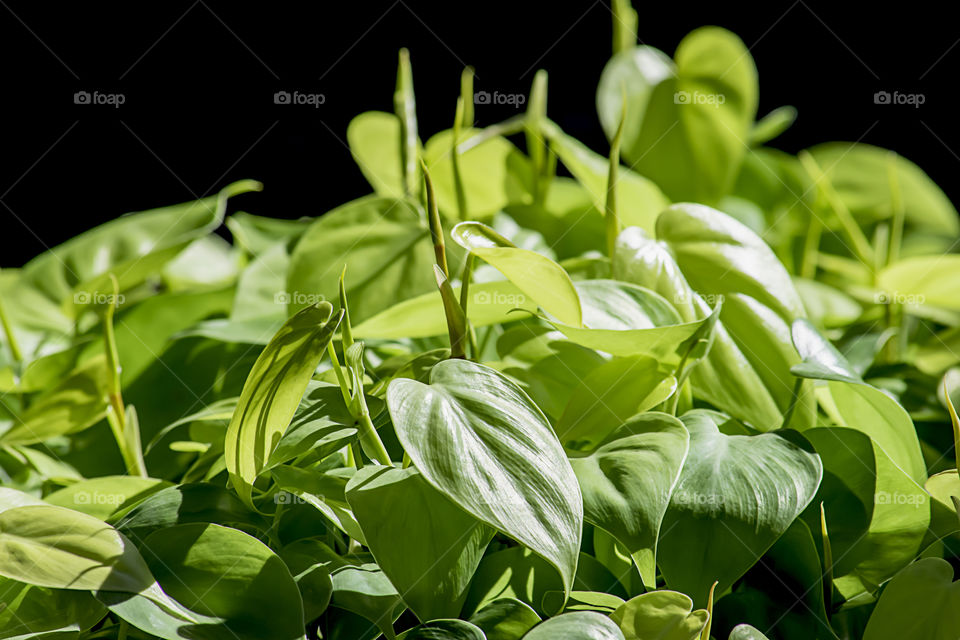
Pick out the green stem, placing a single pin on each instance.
(896, 203)
(861, 246)
(338, 370)
(794, 397)
(433, 217)
(455, 163)
(536, 147)
(405, 106)
(811, 247)
(11, 338)
(827, 562)
(370, 439)
(612, 215)
(466, 95)
(508, 127)
(464, 300)
(624, 26)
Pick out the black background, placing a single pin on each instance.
(199, 77)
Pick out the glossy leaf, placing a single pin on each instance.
(479, 439)
(425, 544)
(222, 572)
(539, 277)
(383, 243)
(664, 615)
(608, 396)
(627, 483)
(272, 393)
(580, 625)
(505, 619)
(694, 116)
(736, 495)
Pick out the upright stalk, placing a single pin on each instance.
(405, 106)
(126, 433)
(466, 95)
(612, 215)
(11, 338)
(861, 246)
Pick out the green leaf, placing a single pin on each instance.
(425, 544)
(870, 410)
(133, 247)
(505, 619)
(922, 601)
(660, 615)
(640, 200)
(77, 402)
(608, 396)
(374, 137)
(736, 495)
(100, 497)
(579, 625)
(321, 425)
(827, 306)
(746, 632)
(772, 125)
(222, 572)
(627, 483)
(859, 173)
(623, 319)
(423, 316)
(923, 280)
(444, 630)
(272, 393)
(520, 574)
(821, 360)
(539, 277)
(862, 483)
(366, 591)
(494, 173)
(479, 439)
(385, 246)
(60, 548)
(783, 593)
(692, 119)
(324, 491)
(747, 371)
(29, 609)
(185, 504)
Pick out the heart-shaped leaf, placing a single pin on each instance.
(479, 439)
(922, 601)
(660, 615)
(579, 625)
(627, 483)
(427, 545)
(736, 495)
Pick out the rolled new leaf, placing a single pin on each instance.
(273, 391)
